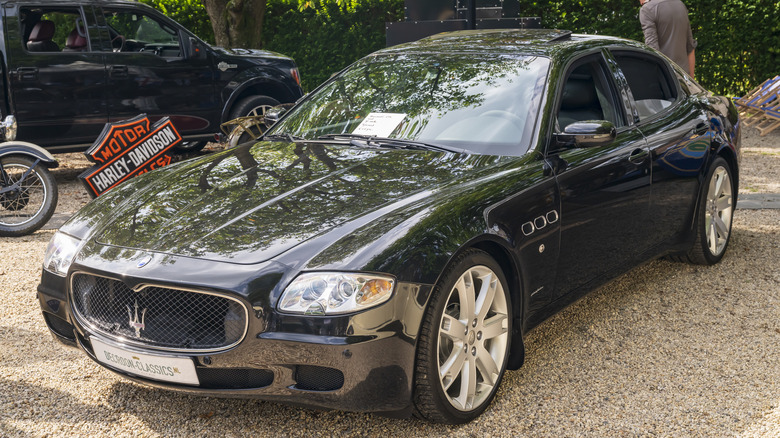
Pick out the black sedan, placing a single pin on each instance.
(393, 237)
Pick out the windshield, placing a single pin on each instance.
(483, 104)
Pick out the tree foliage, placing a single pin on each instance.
(325, 36)
(189, 13)
(739, 40)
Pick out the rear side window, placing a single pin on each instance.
(650, 82)
(53, 29)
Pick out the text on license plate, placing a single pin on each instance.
(168, 369)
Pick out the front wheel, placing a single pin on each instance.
(714, 215)
(464, 341)
(253, 106)
(26, 202)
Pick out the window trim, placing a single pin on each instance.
(671, 78)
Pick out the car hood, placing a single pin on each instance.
(249, 204)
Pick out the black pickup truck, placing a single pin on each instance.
(69, 67)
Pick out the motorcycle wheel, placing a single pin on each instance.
(28, 208)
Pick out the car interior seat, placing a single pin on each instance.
(75, 42)
(40, 37)
(580, 100)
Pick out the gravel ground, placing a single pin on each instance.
(667, 350)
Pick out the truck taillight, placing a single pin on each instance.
(296, 75)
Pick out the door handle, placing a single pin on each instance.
(117, 71)
(638, 156)
(27, 73)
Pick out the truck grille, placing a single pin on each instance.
(158, 317)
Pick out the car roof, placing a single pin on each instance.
(539, 42)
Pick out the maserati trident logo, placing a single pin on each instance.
(134, 323)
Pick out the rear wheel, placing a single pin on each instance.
(464, 342)
(30, 204)
(714, 215)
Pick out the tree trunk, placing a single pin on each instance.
(236, 23)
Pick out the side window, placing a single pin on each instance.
(588, 95)
(649, 80)
(59, 29)
(132, 31)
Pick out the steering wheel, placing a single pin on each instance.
(121, 40)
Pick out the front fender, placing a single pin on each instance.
(265, 82)
(31, 150)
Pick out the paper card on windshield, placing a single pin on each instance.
(379, 124)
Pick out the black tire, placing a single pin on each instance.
(189, 147)
(714, 216)
(23, 212)
(447, 337)
(252, 106)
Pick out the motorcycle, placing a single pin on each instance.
(28, 192)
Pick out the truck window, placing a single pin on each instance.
(55, 29)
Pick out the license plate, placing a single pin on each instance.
(167, 369)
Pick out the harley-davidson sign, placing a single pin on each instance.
(126, 149)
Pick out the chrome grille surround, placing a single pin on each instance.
(173, 319)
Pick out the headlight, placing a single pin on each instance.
(330, 293)
(60, 253)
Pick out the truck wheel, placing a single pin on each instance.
(252, 106)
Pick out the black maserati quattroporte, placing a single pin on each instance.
(394, 235)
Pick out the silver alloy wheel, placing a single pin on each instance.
(719, 208)
(473, 336)
(20, 207)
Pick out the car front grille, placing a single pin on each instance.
(158, 317)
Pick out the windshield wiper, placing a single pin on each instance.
(284, 137)
(344, 136)
(396, 143)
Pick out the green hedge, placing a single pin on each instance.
(739, 40)
(324, 36)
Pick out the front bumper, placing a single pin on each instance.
(362, 362)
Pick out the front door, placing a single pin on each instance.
(148, 73)
(605, 190)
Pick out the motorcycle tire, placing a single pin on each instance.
(28, 208)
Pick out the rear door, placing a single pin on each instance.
(676, 127)
(149, 73)
(57, 81)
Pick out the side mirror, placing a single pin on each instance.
(274, 114)
(195, 49)
(587, 134)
